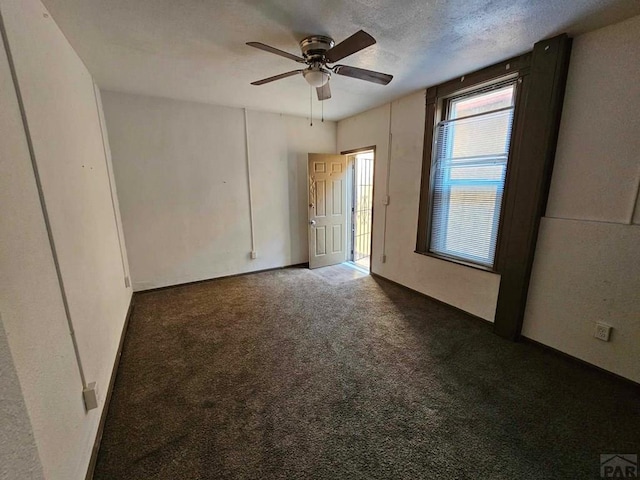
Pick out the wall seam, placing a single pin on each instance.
(605, 222)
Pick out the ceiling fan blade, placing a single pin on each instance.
(276, 77)
(324, 92)
(362, 74)
(351, 45)
(277, 51)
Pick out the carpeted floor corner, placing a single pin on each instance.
(282, 375)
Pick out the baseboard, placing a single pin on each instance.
(233, 275)
(107, 401)
(523, 339)
(470, 315)
(577, 360)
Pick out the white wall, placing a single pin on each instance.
(181, 173)
(587, 263)
(472, 290)
(18, 451)
(63, 118)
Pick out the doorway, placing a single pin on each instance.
(340, 193)
(361, 164)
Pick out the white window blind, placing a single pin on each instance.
(468, 175)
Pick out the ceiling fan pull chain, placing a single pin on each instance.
(310, 106)
(322, 101)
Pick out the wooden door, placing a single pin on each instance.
(327, 209)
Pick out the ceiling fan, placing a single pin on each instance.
(317, 52)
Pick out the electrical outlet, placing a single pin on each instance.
(90, 396)
(603, 331)
(253, 255)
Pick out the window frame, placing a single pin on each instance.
(500, 83)
(543, 73)
(438, 102)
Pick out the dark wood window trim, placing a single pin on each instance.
(529, 182)
(438, 98)
(541, 77)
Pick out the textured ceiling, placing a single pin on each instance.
(195, 49)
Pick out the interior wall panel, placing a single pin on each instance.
(597, 168)
(62, 114)
(587, 264)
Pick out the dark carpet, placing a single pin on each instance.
(281, 375)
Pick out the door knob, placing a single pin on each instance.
(312, 222)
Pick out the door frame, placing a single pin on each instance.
(350, 187)
(327, 219)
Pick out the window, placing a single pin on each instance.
(489, 145)
(468, 171)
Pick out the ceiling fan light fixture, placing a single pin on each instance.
(316, 77)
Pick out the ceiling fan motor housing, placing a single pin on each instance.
(314, 47)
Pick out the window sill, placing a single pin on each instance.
(457, 261)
